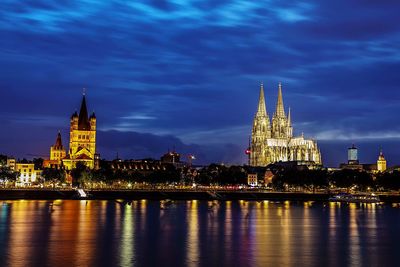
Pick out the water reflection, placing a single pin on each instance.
(197, 233)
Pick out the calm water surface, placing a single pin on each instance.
(197, 233)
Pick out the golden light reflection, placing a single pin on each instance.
(228, 223)
(193, 234)
(286, 235)
(102, 212)
(307, 233)
(127, 242)
(264, 233)
(20, 231)
(354, 237)
(142, 208)
(86, 232)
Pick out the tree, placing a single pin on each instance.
(78, 174)
(38, 163)
(53, 176)
(7, 175)
(388, 180)
(348, 178)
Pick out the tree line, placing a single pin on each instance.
(215, 174)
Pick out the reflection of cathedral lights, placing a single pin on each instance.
(274, 142)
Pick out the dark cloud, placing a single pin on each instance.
(189, 72)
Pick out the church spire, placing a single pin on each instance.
(58, 143)
(280, 111)
(289, 118)
(262, 110)
(83, 122)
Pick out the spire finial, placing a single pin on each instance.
(280, 111)
(84, 91)
(262, 110)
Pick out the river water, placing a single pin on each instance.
(197, 233)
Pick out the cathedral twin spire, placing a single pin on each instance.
(273, 141)
(262, 110)
(281, 125)
(280, 110)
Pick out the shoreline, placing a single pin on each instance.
(223, 195)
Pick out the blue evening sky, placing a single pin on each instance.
(186, 73)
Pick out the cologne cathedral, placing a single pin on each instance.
(273, 141)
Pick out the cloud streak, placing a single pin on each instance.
(191, 69)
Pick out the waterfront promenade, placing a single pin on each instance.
(176, 194)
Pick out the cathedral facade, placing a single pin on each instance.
(273, 141)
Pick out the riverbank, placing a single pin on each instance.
(52, 194)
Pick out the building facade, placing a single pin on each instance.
(57, 154)
(273, 141)
(381, 163)
(82, 142)
(27, 173)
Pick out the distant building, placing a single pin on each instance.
(11, 163)
(142, 166)
(268, 176)
(352, 155)
(171, 157)
(28, 174)
(252, 179)
(274, 142)
(353, 162)
(381, 163)
(82, 144)
(57, 154)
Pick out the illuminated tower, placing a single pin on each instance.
(261, 131)
(280, 123)
(381, 163)
(57, 151)
(274, 142)
(352, 155)
(82, 143)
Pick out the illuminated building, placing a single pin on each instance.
(274, 142)
(268, 177)
(57, 154)
(252, 179)
(27, 173)
(352, 155)
(82, 142)
(381, 163)
(144, 167)
(11, 162)
(353, 163)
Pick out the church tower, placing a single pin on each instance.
(57, 151)
(82, 144)
(381, 163)
(280, 123)
(261, 131)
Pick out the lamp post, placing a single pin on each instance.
(248, 153)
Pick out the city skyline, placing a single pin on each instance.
(197, 83)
